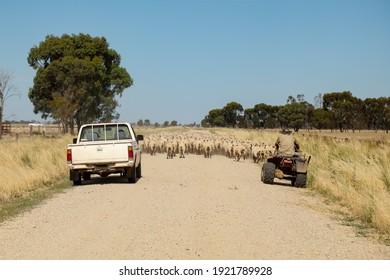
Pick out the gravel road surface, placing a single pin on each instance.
(192, 208)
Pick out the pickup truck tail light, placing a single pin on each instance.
(69, 155)
(130, 152)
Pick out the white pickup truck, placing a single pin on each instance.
(105, 148)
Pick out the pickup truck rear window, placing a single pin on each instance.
(105, 132)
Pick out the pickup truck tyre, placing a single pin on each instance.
(75, 177)
(87, 176)
(138, 171)
(77, 182)
(131, 175)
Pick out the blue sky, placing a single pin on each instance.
(191, 56)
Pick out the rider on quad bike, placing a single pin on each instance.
(286, 163)
(286, 144)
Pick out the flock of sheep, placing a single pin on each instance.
(206, 144)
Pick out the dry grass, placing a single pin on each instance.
(30, 163)
(355, 174)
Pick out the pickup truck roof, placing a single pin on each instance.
(106, 132)
(126, 123)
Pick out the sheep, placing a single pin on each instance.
(198, 147)
(182, 150)
(256, 154)
(207, 145)
(152, 148)
(239, 152)
(229, 150)
(207, 151)
(170, 149)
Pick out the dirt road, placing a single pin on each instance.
(192, 208)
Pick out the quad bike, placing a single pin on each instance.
(292, 168)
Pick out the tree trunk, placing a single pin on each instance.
(341, 127)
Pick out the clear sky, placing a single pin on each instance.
(188, 57)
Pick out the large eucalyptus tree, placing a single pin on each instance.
(77, 79)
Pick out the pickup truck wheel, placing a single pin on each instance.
(77, 182)
(138, 171)
(132, 175)
(87, 176)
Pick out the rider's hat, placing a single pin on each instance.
(285, 131)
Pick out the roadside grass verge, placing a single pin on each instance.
(32, 198)
(31, 169)
(355, 174)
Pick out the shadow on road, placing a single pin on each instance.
(285, 183)
(111, 179)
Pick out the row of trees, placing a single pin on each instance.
(336, 110)
(147, 122)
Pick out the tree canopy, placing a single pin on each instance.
(231, 113)
(77, 80)
(340, 110)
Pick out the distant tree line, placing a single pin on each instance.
(147, 122)
(28, 121)
(336, 111)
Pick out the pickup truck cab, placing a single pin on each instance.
(105, 148)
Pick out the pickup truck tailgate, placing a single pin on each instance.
(100, 153)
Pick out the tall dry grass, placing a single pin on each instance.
(353, 173)
(30, 163)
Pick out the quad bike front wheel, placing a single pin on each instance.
(268, 173)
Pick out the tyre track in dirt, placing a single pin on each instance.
(192, 208)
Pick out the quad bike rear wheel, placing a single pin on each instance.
(300, 180)
(268, 173)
